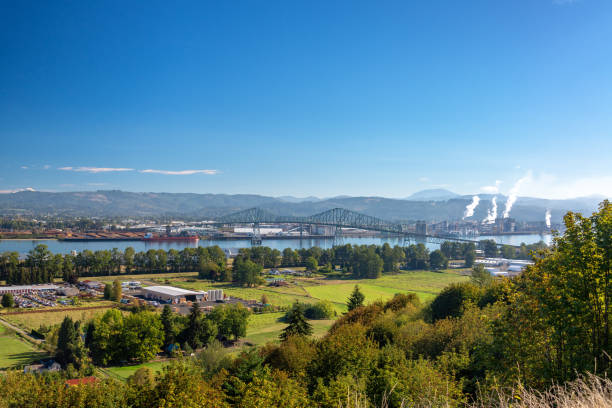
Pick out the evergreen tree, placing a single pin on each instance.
(108, 291)
(356, 299)
(70, 346)
(470, 256)
(7, 300)
(298, 325)
(168, 325)
(116, 290)
(199, 331)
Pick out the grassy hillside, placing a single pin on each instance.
(16, 352)
(28, 321)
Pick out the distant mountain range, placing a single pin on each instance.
(436, 194)
(429, 205)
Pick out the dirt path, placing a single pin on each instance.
(27, 336)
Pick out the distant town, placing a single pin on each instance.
(155, 230)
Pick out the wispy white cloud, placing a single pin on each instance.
(17, 190)
(180, 172)
(47, 166)
(97, 184)
(95, 169)
(24, 167)
(494, 189)
(424, 179)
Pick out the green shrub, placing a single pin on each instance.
(451, 300)
(320, 310)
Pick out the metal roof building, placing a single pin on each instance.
(27, 288)
(171, 294)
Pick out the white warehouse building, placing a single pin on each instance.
(171, 294)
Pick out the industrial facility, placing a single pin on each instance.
(171, 294)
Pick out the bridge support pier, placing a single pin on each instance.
(256, 237)
(407, 241)
(338, 240)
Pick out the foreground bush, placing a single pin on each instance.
(320, 310)
(588, 391)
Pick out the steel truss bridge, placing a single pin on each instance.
(337, 217)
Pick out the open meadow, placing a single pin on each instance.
(266, 327)
(426, 284)
(34, 320)
(124, 372)
(16, 352)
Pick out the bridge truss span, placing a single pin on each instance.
(336, 217)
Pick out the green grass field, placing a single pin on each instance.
(159, 277)
(91, 302)
(277, 296)
(425, 284)
(421, 281)
(16, 352)
(339, 293)
(29, 321)
(126, 371)
(266, 327)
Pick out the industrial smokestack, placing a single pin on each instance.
(512, 195)
(469, 209)
(547, 218)
(492, 212)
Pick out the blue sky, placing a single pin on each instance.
(307, 98)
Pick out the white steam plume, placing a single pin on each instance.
(469, 209)
(512, 195)
(492, 212)
(547, 218)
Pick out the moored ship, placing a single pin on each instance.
(170, 238)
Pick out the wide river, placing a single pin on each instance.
(23, 246)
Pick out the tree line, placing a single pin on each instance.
(42, 266)
(361, 261)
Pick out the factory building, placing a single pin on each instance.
(169, 294)
(421, 228)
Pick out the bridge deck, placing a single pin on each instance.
(337, 217)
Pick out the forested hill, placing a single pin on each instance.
(122, 203)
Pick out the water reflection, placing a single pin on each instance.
(23, 246)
